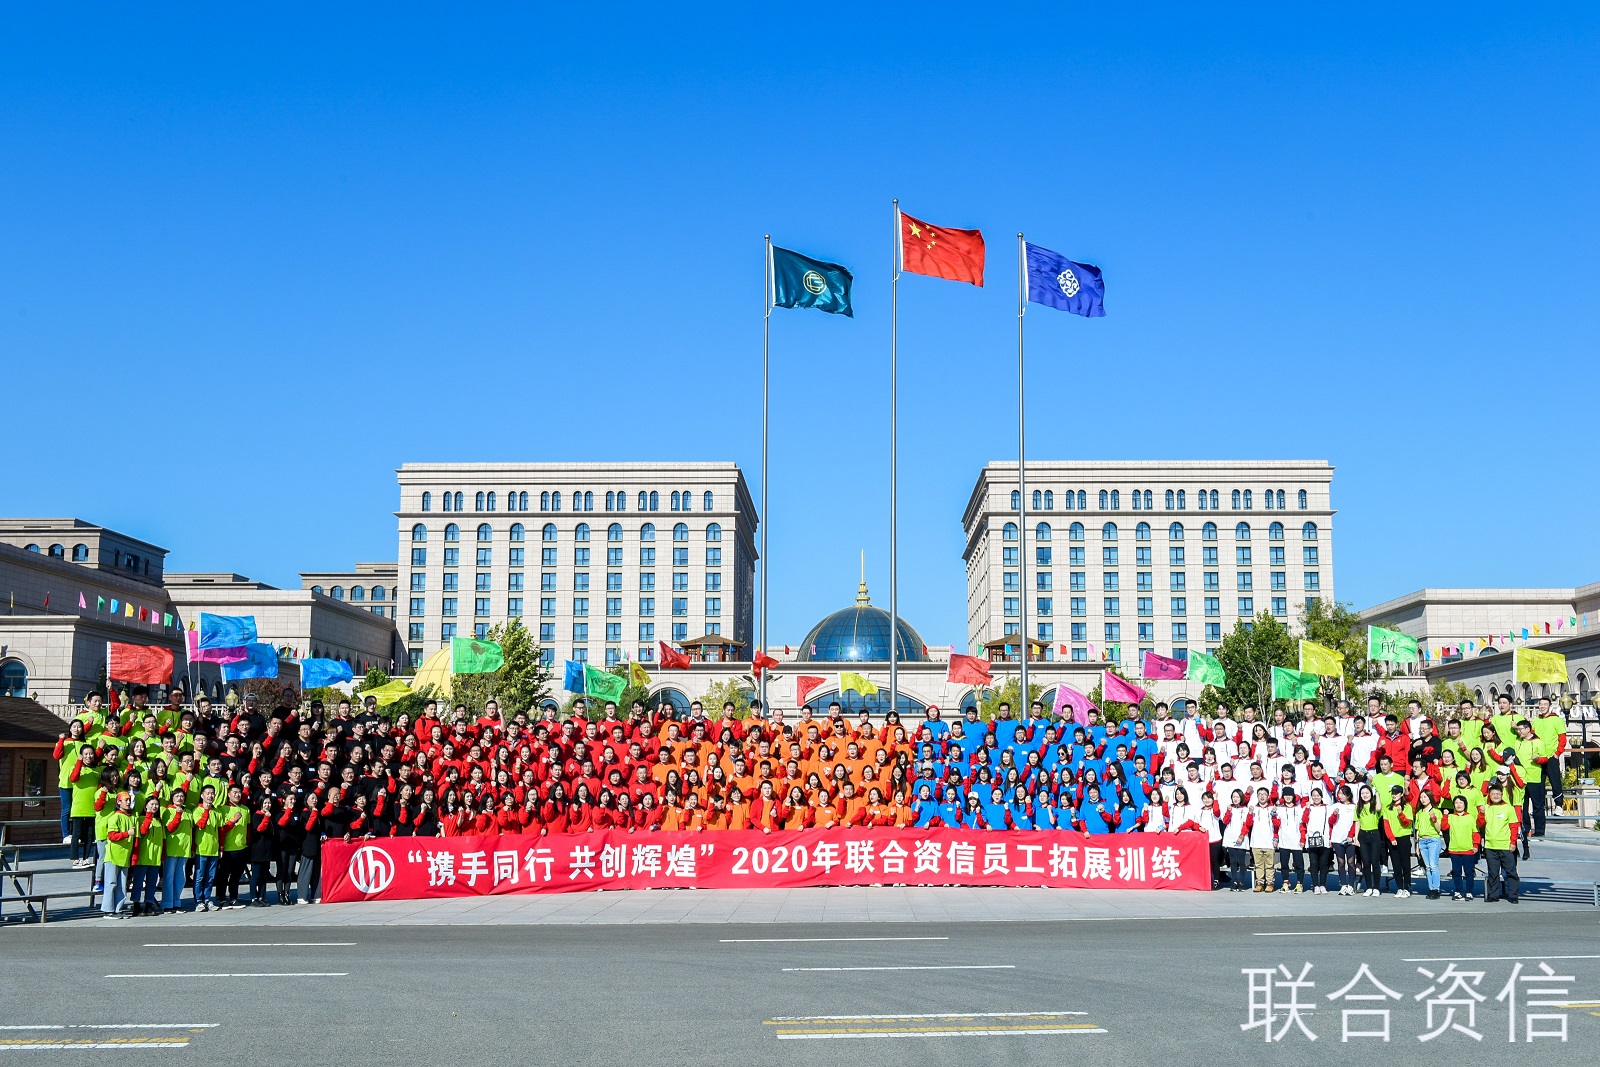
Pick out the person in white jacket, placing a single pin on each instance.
(1316, 822)
(1291, 841)
(1342, 836)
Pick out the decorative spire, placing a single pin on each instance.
(861, 590)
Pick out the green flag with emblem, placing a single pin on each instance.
(1207, 670)
(468, 655)
(1390, 646)
(1294, 685)
(603, 684)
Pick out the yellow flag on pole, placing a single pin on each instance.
(1532, 665)
(849, 680)
(1320, 659)
(637, 676)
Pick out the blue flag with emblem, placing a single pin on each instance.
(316, 673)
(261, 662)
(1058, 282)
(573, 677)
(802, 282)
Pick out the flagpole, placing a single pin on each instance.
(894, 517)
(1022, 477)
(766, 335)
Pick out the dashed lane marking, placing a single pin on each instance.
(973, 1024)
(922, 967)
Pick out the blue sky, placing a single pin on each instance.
(250, 262)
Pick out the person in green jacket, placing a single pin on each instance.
(66, 757)
(105, 806)
(152, 838)
(1397, 821)
(83, 780)
(1463, 842)
(235, 847)
(207, 847)
(1499, 822)
(121, 831)
(1429, 826)
(179, 850)
(1551, 726)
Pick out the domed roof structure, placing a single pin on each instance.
(860, 634)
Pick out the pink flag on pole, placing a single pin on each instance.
(82, 603)
(213, 655)
(1162, 667)
(1115, 689)
(1068, 697)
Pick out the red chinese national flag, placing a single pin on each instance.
(145, 664)
(672, 660)
(968, 670)
(939, 251)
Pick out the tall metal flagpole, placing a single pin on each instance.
(1022, 477)
(766, 336)
(894, 471)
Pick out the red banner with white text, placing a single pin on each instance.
(409, 868)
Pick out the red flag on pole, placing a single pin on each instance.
(145, 664)
(804, 686)
(941, 252)
(761, 662)
(968, 670)
(671, 660)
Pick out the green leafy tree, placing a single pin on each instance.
(1116, 711)
(1248, 653)
(520, 684)
(374, 679)
(734, 689)
(1009, 692)
(1335, 626)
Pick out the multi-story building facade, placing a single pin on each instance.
(371, 586)
(1124, 557)
(599, 560)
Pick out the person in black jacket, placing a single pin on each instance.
(263, 840)
(291, 829)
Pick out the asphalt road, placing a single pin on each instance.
(1162, 992)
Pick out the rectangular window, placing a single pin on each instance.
(1012, 629)
(1080, 605)
(1178, 581)
(613, 581)
(419, 557)
(480, 607)
(547, 557)
(1111, 581)
(416, 632)
(1078, 581)
(613, 557)
(1280, 606)
(1213, 632)
(580, 606)
(1313, 580)
(613, 606)
(1080, 631)
(452, 581)
(647, 632)
(485, 557)
(1275, 556)
(1247, 606)
(680, 632)
(1141, 556)
(1145, 581)
(1080, 655)
(1213, 581)
(1008, 557)
(1076, 556)
(1280, 580)
(1180, 605)
(1108, 556)
(580, 557)
(613, 655)
(1310, 555)
(580, 582)
(1009, 581)
(547, 605)
(680, 581)
(1044, 581)
(419, 581)
(613, 632)
(481, 631)
(647, 606)
(419, 605)
(449, 606)
(1113, 632)
(1146, 606)
(1241, 556)
(1175, 556)
(680, 606)
(1041, 555)
(1012, 606)
(580, 655)
(514, 581)
(1180, 632)
(547, 632)
(580, 631)
(415, 656)
(713, 583)
(481, 583)
(514, 607)
(547, 582)
(1047, 632)
(647, 583)
(1208, 557)
(713, 557)
(1147, 632)
(1213, 605)
(1045, 606)
(452, 557)
(447, 632)
(1112, 605)
(516, 557)
(547, 656)
(680, 557)
(1244, 580)
(647, 557)
(713, 606)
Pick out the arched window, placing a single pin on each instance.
(1170, 500)
(611, 501)
(1248, 502)
(647, 532)
(1302, 500)
(452, 532)
(544, 501)
(622, 500)
(581, 533)
(57, 552)
(1280, 500)
(1183, 500)
(614, 532)
(1149, 500)
(1105, 500)
(80, 553)
(316, 589)
(1070, 499)
(517, 532)
(1116, 500)
(1241, 532)
(1137, 501)
(705, 504)
(459, 498)
(680, 532)
(427, 501)
(1208, 532)
(644, 500)
(1038, 500)
(688, 501)
(674, 500)
(1108, 532)
(1175, 532)
(484, 533)
(449, 502)
(1275, 532)
(555, 500)
(1203, 504)
(714, 532)
(522, 501)
(419, 532)
(1016, 500)
(1308, 532)
(1236, 500)
(1216, 500)
(655, 500)
(491, 500)
(1141, 532)
(1083, 500)
(377, 592)
(1049, 500)
(1041, 532)
(1266, 500)
(588, 501)
(13, 679)
(1075, 532)
(1009, 532)
(337, 592)
(548, 533)
(357, 593)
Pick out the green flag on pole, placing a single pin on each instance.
(603, 684)
(1390, 646)
(468, 655)
(1207, 670)
(802, 282)
(1293, 685)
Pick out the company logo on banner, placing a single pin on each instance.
(371, 869)
(406, 868)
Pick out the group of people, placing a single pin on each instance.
(235, 804)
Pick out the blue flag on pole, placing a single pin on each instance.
(261, 662)
(1058, 282)
(227, 631)
(316, 673)
(573, 683)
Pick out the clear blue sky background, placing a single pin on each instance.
(251, 262)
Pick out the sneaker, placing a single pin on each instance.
(1402, 893)
(1259, 889)
(1299, 889)
(1455, 896)
(98, 888)
(1433, 894)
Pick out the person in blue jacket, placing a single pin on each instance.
(1004, 728)
(996, 816)
(1094, 815)
(1019, 810)
(972, 813)
(1048, 814)
(925, 807)
(950, 808)
(1128, 812)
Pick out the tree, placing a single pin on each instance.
(734, 689)
(520, 684)
(374, 679)
(1248, 653)
(1335, 626)
(1009, 692)
(1116, 711)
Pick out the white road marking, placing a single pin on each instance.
(928, 967)
(1334, 933)
(1490, 959)
(116, 1026)
(943, 1024)
(73, 1046)
(60, 1041)
(796, 940)
(248, 944)
(942, 1033)
(242, 974)
(940, 1015)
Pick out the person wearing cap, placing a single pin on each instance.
(1398, 817)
